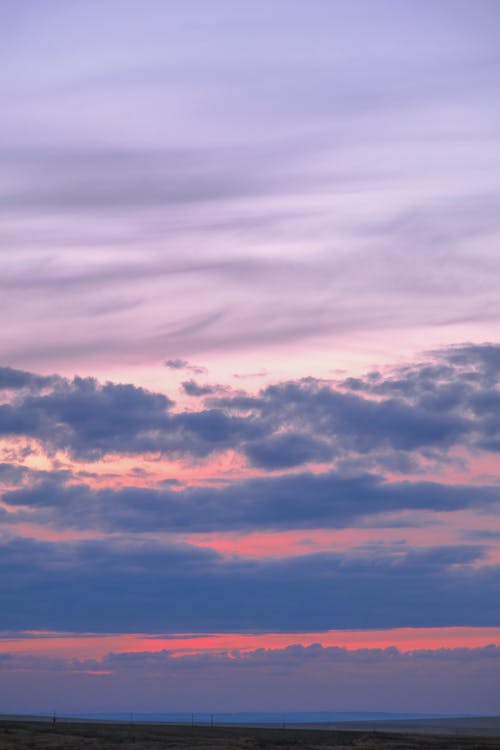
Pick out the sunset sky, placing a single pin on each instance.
(249, 403)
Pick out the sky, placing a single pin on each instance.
(249, 403)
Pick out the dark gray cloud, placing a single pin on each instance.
(286, 451)
(89, 420)
(289, 658)
(424, 411)
(430, 407)
(443, 382)
(130, 586)
(281, 502)
(17, 475)
(14, 380)
(13, 473)
(192, 388)
(86, 417)
(362, 424)
(183, 364)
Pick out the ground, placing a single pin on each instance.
(17, 735)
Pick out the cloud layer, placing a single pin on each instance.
(142, 586)
(197, 199)
(300, 679)
(422, 411)
(321, 455)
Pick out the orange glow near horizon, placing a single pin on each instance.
(94, 645)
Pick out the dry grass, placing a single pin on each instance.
(17, 735)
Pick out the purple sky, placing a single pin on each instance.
(249, 375)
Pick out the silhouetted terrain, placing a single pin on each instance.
(17, 735)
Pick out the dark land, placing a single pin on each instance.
(69, 735)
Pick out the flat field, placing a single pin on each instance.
(32, 735)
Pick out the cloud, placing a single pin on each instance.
(306, 500)
(99, 180)
(291, 658)
(86, 417)
(89, 420)
(287, 450)
(14, 474)
(427, 410)
(282, 163)
(273, 681)
(192, 388)
(183, 364)
(145, 586)
(14, 380)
